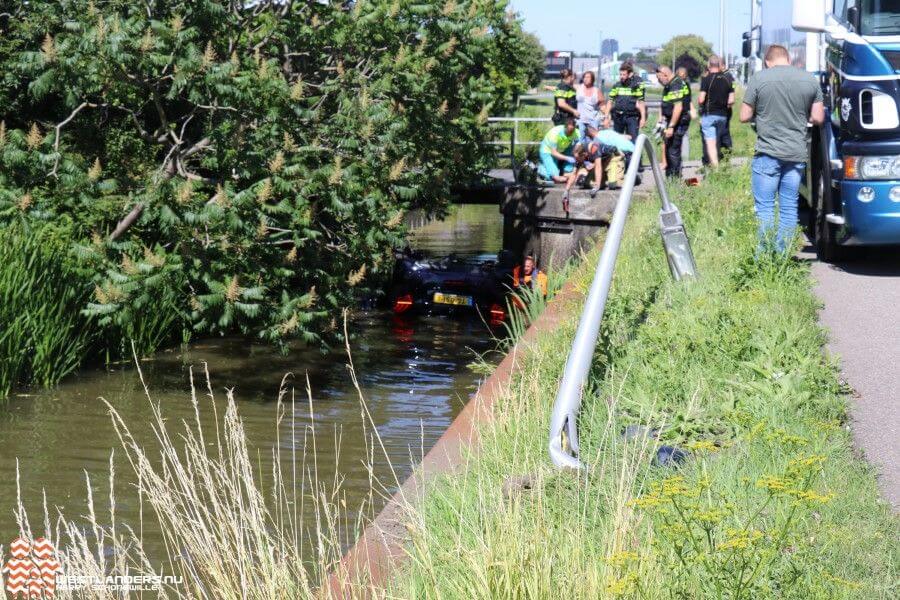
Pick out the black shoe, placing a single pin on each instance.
(614, 186)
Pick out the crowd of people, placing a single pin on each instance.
(593, 136)
(589, 144)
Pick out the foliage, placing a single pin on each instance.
(42, 335)
(244, 166)
(689, 51)
(771, 502)
(524, 305)
(531, 59)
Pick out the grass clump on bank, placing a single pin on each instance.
(42, 334)
(770, 503)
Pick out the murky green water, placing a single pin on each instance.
(412, 373)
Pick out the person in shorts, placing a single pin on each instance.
(716, 99)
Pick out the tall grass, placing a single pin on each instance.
(524, 305)
(771, 503)
(43, 337)
(230, 531)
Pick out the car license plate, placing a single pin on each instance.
(452, 299)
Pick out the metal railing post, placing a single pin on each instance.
(564, 450)
(512, 149)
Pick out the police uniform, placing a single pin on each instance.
(676, 91)
(567, 93)
(625, 114)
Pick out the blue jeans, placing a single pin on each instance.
(770, 176)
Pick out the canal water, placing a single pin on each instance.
(413, 374)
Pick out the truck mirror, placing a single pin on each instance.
(747, 48)
(809, 15)
(853, 17)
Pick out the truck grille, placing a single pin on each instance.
(866, 111)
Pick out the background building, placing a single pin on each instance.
(609, 47)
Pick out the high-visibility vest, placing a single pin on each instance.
(539, 279)
(626, 95)
(674, 92)
(556, 139)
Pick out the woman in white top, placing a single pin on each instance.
(589, 98)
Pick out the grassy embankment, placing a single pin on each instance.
(770, 503)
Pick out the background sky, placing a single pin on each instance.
(576, 25)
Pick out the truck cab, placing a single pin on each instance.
(852, 182)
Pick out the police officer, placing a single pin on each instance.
(564, 98)
(626, 105)
(676, 111)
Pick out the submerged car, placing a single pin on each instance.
(452, 284)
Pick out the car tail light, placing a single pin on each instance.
(498, 315)
(403, 303)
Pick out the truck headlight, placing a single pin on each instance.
(872, 167)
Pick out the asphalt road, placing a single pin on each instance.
(862, 313)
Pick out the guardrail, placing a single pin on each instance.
(514, 135)
(564, 421)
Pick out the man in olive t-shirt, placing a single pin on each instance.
(783, 99)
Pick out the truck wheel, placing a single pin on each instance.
(827, 248)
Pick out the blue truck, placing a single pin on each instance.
(852, 182)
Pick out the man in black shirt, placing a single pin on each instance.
(716, 99)
(625, 108)
(676, 111)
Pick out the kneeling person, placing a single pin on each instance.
(556, 152)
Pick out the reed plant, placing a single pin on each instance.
(43, 336)
(524, 304)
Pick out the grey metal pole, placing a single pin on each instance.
(563, 426)
(564, 449)
(658, 176)
(722, 29)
